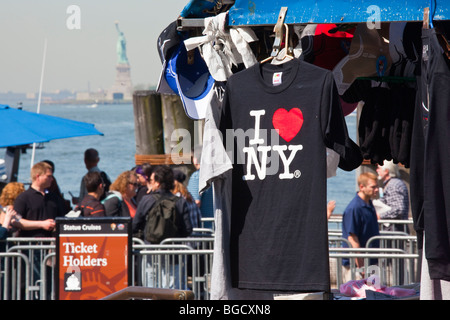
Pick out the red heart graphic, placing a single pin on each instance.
(288, 123)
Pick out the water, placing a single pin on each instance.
(117, 149)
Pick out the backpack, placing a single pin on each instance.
(161, 219)
(114, 209)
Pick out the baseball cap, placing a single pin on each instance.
(368, 57)
(168, 41)
(184, 74)
(188, 76)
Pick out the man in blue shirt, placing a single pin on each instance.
(359, 221)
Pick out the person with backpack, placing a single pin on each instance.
(161, 214)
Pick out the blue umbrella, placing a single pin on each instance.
(19, 127)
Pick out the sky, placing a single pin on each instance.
(83, 55)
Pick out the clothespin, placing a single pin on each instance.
(426, 18)
(279, 34)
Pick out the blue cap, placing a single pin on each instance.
(188, 76)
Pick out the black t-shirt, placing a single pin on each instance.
(33, 205)
(430, 156)
(278, 120)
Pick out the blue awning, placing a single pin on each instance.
(265, 12)
(20, 127)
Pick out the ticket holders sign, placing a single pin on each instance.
(93, 257)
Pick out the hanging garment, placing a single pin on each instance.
(404, 48)
(276, 122)
(215, 173)
(401, 123)
(385, 125)
(430, 170)
(373, 129)
(223, 48)
(368, 57)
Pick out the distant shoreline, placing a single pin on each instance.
(18, 103)
(88, 102)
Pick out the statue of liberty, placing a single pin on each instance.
(121, 47)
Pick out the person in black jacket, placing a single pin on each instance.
(162, 179)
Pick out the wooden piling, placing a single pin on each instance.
(149, 131)
(178, 128)
(160, 125)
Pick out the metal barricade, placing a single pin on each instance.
(399, 241)
(175, 266)
(202, 232)
(39, 267)
(205, 243)
(335, 223)
(201, 267)
(28, 270)
(28, 266)
(208, 223)
(396, 269)
(388, 276)
(14, 271)
(186, 263)
(402, 225)
(337, 242)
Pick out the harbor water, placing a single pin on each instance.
(117, 149)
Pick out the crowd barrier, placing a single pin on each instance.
(15, 269)
(176, 267)
(387, 265)
(25, 279)
(27, 267)
(396, 257)
(403, 225)
(28, 264)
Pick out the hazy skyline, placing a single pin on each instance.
(80, 58)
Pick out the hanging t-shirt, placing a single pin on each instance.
(430, 173)
(276, 123)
